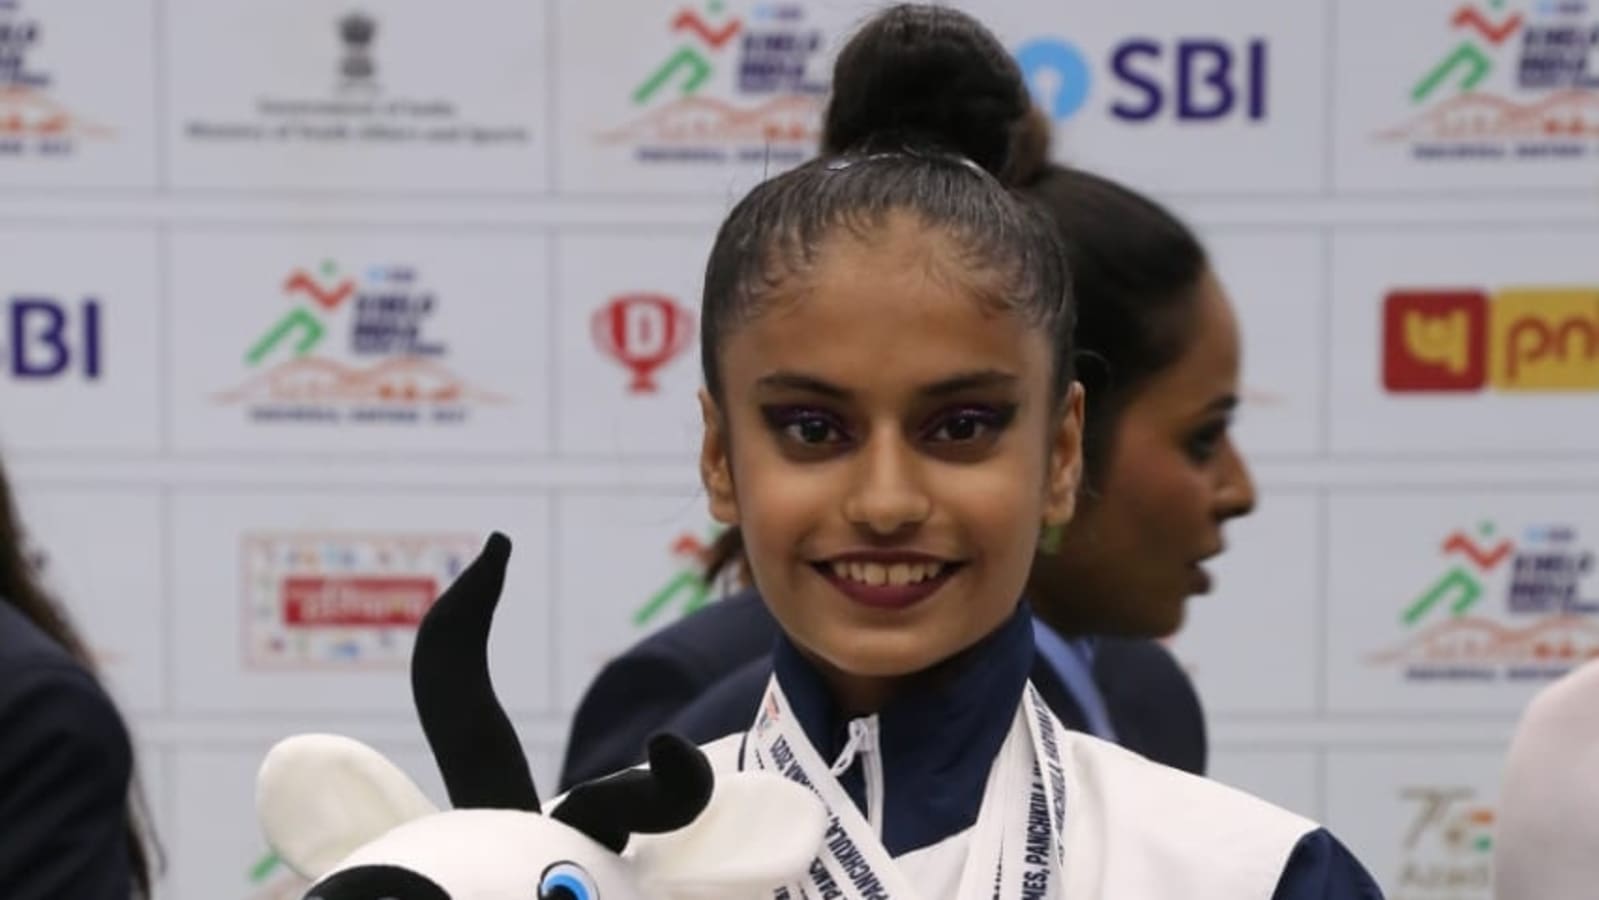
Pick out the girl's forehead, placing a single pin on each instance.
(898, 302)
(879, 330)
(902, 273)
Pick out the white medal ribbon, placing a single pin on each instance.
(1017, 849)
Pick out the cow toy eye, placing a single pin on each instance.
(567, 881)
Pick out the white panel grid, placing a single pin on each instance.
(495, 181)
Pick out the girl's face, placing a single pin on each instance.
(1134, 555)
(888, 444)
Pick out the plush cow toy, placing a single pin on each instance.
(350, 821)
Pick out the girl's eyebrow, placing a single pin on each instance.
(970, 381)
(955, 384)
(794, 381)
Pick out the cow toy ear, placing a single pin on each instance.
(320, 797)
(759, 832)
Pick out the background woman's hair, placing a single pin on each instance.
(1136, 274)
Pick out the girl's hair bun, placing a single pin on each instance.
(928, 77)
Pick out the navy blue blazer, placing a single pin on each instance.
(702, 677)
(65, 765)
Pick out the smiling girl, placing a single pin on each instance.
(891, 419)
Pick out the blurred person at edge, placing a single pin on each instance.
(1546, 837)
(1159, 355)
(71, 823)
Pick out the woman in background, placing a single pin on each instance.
(69, 826)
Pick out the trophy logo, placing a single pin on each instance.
(357, 71)
(643, 332)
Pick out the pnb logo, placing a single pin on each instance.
(1516, 340)
(1188, 79)
(48, 339)
(643, 332)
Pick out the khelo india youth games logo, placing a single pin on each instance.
(732, 87)
(1517, 608)
(355, 349)
(1515, 80)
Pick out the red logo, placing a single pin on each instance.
(357, 601)
(643, 332)
(1435, 341)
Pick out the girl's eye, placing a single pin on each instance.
(1203, 444)
(567, 881)
(811, 430)
(805, 427)
(971, 424)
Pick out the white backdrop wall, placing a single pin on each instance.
(305, 295)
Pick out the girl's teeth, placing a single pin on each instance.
(877, 574)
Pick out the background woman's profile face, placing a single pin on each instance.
(889, 444)
(1172, 479)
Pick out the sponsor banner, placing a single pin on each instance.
(1486, 94)
(77, 95)
(698, 98)
(1458, 601)
(1134, 89)
(309, 600)
(1465, 342)
(629, 344)
(1421, 821)
(271, 94)
(336, 342)
(81, 340)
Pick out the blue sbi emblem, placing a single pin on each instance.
(1057, 75)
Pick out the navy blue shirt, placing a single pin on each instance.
(65, 764)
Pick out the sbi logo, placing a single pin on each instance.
(46, 338)
(1190, 80)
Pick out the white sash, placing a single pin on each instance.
(1017, 849)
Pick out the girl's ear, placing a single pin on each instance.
(1065, 466)
(716, 468)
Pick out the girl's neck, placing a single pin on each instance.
(860, 695)
(857, 695)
